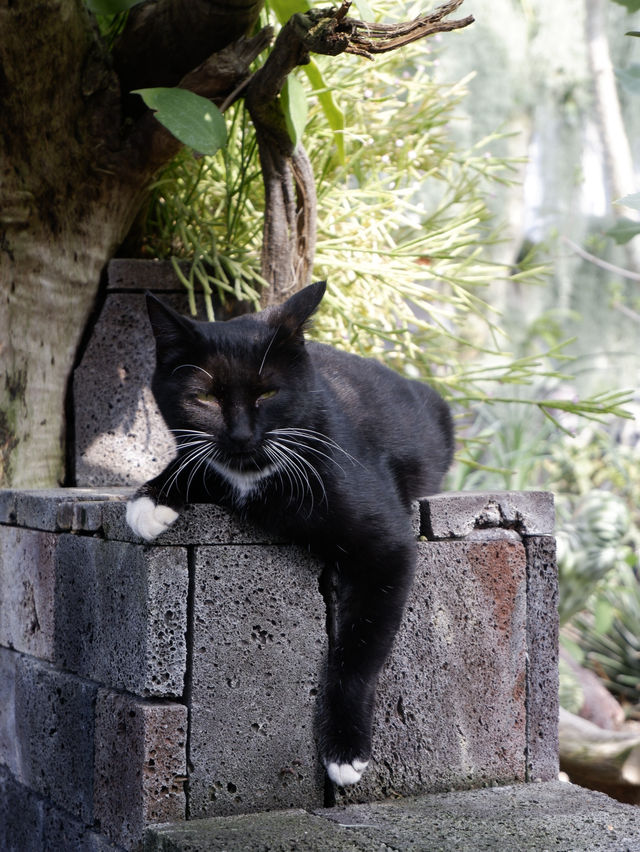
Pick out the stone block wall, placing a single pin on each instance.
(144, 684)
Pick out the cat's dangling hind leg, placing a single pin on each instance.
(364, 605)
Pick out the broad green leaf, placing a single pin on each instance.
(294, 104)
(623, 231)
(630, 78)
(632, 200)
(332, 111)
(192, 119)
(284, 9)
(629, 5)
(110, 7)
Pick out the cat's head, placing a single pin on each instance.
(236, 380)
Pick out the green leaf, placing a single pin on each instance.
(632, 200)
(192, 119)
(110, 7)
(365, 10)
(284, 9)
(294, 104)
(630, 78)
(629, 5)
(332, 111)
(623, 231)
(633, 33)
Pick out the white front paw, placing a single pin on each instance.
(148, 519)
(344, 774)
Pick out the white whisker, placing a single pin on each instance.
(195, 367)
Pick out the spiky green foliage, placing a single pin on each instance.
(614, 652)
(404, 235)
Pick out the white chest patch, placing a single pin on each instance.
(244, 481)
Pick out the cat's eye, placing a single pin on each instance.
(207, 398)
(266, 395)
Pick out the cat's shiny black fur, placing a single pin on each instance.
(319, 445)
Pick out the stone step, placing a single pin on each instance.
(546, 817)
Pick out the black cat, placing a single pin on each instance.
(322, 446)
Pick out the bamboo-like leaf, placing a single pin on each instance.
(294, 105)
(192, 119)
(332, 112)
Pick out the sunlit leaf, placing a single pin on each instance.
(284, 9)
(192, 119)
(294, 104)
(632, 200)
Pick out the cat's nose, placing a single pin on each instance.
(241, 433)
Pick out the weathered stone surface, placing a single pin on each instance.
(27, 589)
(8, 738)
(140, 765)
(54, 735)
(284, 831)
(199, 523)
(258, 644)
(121, 614)
(29, 823)
(553, 817)
(542, 642)
(121, 438)
(52, 509)
(446, 516)
(21, 816)
(451, 701)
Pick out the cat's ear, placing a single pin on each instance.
(171, 330)
(292, 317)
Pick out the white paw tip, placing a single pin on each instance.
(147, 519)
(344, 774)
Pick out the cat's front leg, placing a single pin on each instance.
(154, 506)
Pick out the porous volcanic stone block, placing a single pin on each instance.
(121, 438)
(199, 523)
(447, 516)
(8, 739)
(451, 702)
(258, 646)
(21, 816)
(121, 614)
(140, 765)
(542, 633)
(27, 587)
(54, 735)
(53, 509)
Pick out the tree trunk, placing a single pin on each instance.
(619, 170)
(73, 176)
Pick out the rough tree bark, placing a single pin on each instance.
(77, 154)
